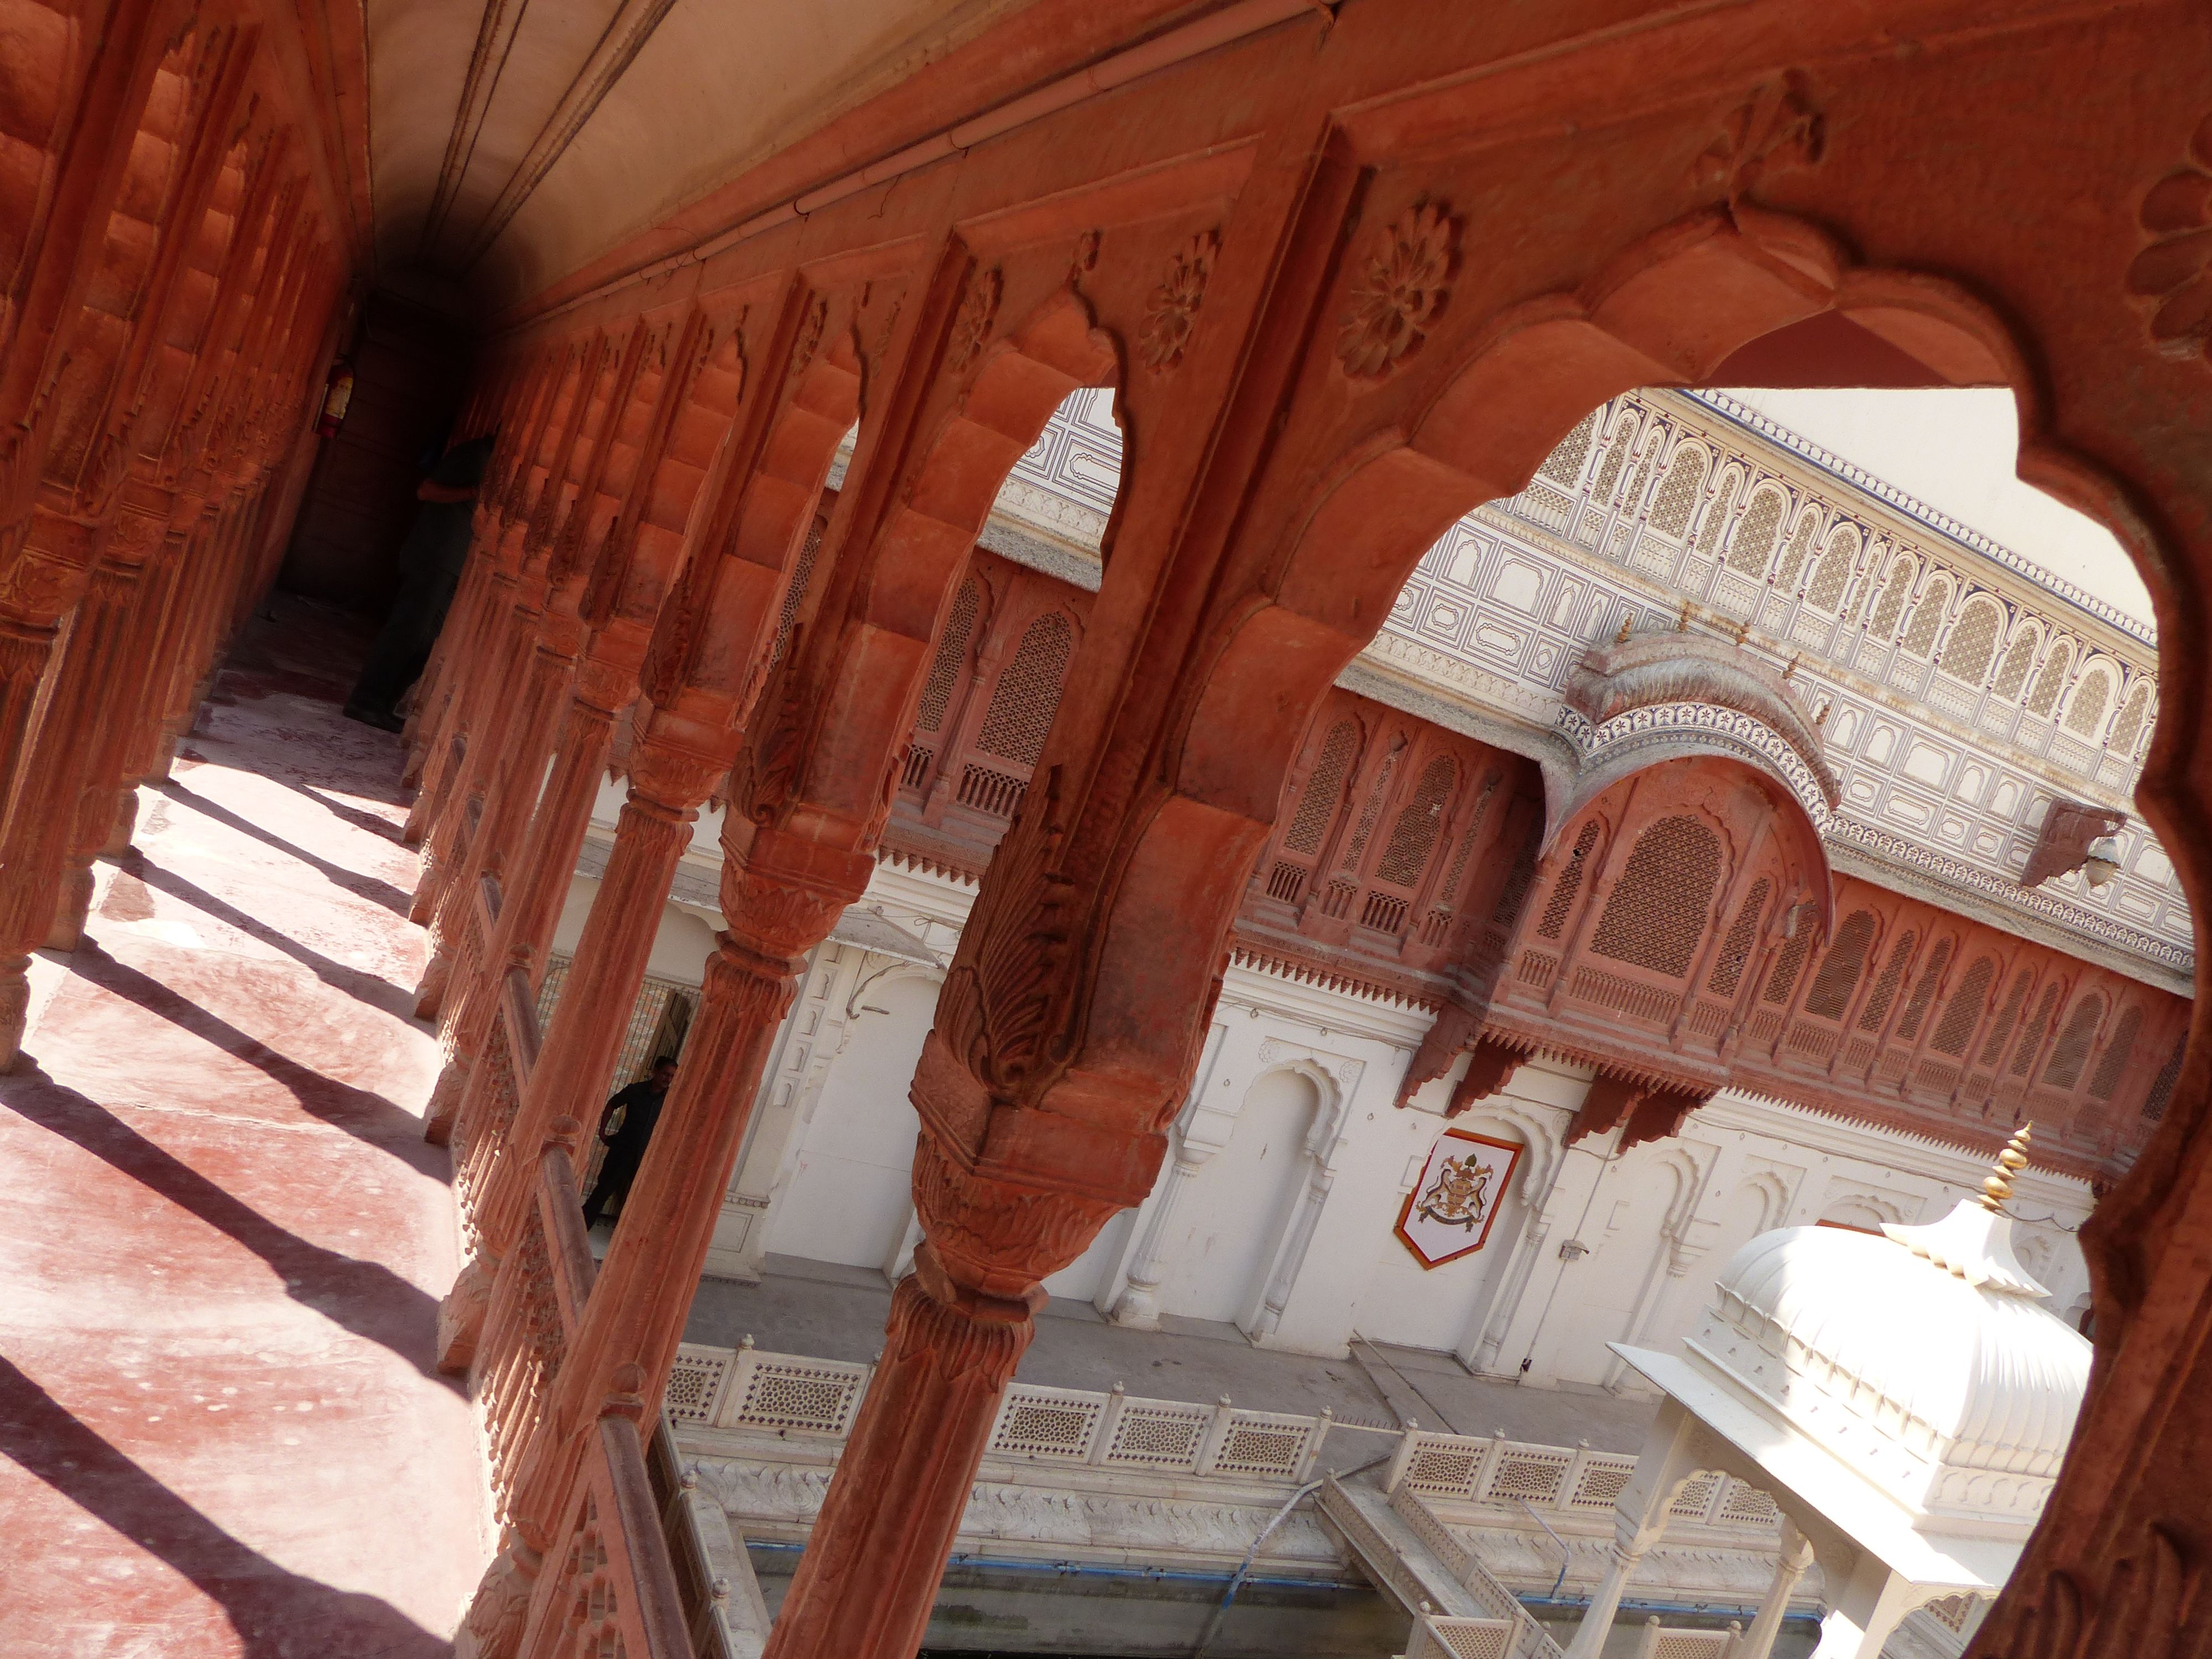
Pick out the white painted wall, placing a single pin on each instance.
(1294, 1161)
(847, 1197)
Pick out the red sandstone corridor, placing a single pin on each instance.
(222, 1431)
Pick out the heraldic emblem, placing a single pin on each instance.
(1462, 1181)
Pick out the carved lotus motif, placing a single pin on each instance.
(2174, 274)
(1172, 310)
(978, 313)
(1400, 293)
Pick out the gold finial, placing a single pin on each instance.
(1683, 626)
(1790, 672)
(1742, 631)
(2010, 1162)
(1820, 719)
(1627, 625)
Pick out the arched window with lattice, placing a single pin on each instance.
(1972, 641)
(1567, 885)
(1742, 934)
(1826, 591)
(2086, 713)
(1927, 618)
(1963, 1012)
(945, 671)
(1677, 491)
(2130, 725)
(1752, 547)
(2051, 681)
(1800, 547)
(2007, 1017)
(1413, 837)
(1028, 693)
(1841, 967)
(1716, 519)
(1657, 911)
(1324, 790)
(2031, 1040)
(2012, 674)
(2112, 1064)
(1782, 978)
(1885, 988)
(2069, 1054)
(1616, 457)
(1891, 605)
(1931, 980)
(1565, 464)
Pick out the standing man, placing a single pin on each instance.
(640, 1105)
(430, 561)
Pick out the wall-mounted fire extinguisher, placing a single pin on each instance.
(335, 396)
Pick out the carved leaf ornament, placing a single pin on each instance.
(1400, 292)
(979, 314)
(1172, 311)
(2174, 274)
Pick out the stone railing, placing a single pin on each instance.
(792, 1395)
(1561, 1479)
(797, 1395)
(1521, 1636)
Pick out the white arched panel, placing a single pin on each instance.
(849, 1197)
(1224, 1235)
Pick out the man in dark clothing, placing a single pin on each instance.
(640, 1104)
(430, 561)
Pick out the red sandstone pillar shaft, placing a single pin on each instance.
(35, 843)
(482, 724)
(25, 649)
(869, 1578)
(530, 908)
(634, 1316)
(510, 791)
(101, 788)
(570, 1077)
(475, 636)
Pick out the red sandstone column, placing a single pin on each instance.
(515, 774)
(570, 1077)
(484, 722)
(138, 555)
(35, 844)
(530, 908)
(958, 1327)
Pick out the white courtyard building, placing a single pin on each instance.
(1473, 1336)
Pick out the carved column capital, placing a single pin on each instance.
(1000, 1237)
(672, 779)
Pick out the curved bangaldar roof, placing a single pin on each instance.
(1925, 1358)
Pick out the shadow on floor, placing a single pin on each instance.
(365, 1297)
(360, 886)
(277, 1614)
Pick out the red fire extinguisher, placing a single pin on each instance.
(335, 396)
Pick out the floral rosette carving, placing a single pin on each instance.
(1400, 292)
(1172, 311)
(2174, 274)
(978, 315)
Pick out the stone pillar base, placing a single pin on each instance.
(430, 994)
(125, 825)
(72, 908)
(461, 1315)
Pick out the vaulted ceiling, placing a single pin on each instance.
(512, 141)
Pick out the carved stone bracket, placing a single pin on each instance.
(2070, 829)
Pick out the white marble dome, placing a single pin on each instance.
(1926, 1359)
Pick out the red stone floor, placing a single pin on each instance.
(221, 1432)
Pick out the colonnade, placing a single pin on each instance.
(1323, 353)
(177, 287)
